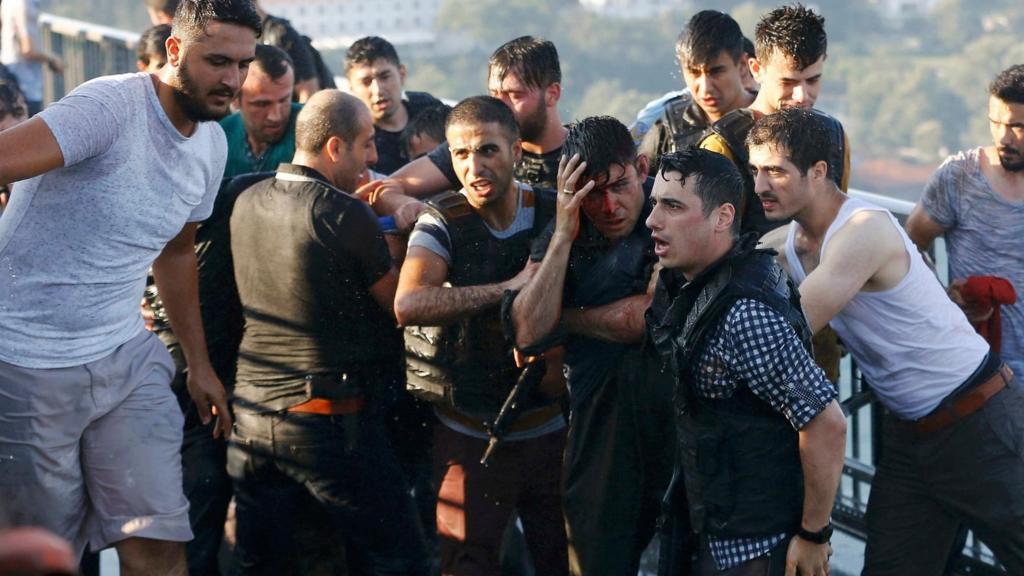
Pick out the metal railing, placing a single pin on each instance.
(88, 51)
(865, 441)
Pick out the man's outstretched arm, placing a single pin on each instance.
(177, 281)
(28, 150)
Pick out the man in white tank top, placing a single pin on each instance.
(953, 432)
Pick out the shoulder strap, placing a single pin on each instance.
(733, 129)
(675, 112)
(465, 227)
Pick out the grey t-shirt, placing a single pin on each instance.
(984, 237)
(76, 242)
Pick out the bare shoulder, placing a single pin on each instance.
(868, 236)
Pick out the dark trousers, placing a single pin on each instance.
(347, 465)
(476, 502)
(618, 462)
(927, 486)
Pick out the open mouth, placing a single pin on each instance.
(481, 187)
(660, 247)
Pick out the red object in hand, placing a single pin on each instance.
(989, 292)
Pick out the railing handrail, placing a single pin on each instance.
(88, 30)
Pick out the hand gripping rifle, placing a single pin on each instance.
(525, 386)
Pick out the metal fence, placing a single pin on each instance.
(88, 51)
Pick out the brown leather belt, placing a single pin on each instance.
(329, 407)
(966, 403)
(527, 421)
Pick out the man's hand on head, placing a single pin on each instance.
(567, 215)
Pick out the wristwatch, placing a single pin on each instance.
(820, 537)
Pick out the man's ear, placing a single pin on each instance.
(517, 149)
(334, 147)
(643, 165)
(819, 171)
(401, 74)
(552, 94)
(755, 69)
(174, 50)
(726, 216)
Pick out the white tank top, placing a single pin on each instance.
(913, 344)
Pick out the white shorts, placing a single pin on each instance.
(93, 452)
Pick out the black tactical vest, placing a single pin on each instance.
(469, 365)
(682, 126)
(740, 459)
(733, 129)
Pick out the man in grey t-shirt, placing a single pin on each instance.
(976, 199)
(110, 180)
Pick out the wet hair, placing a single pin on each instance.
(168, 7)
(12, 103)
(429, 122)
(367, 50)
(193, 16)
(601, 141)
(328, 113)
(484, 110)
(795, 31)
(532, 60)
(801, 133)
(706, 35)
(273, 61)
(153, 42)
(1008, 86)
(717, 180)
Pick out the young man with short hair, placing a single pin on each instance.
(477, 241)
(596, 268)
(791, 47)
(525, 74)
(261, 134)
(112, 179)
(953, 424)
(377, 77)
(712, 60)
(976, 200)
(761, 436)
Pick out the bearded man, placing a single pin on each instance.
(116, 177)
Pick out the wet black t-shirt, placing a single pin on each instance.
(305, 256)
(390, 154)
(538, 170)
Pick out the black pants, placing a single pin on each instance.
(347, 465)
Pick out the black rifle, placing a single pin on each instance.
(526, 384)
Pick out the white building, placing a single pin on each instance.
(634, 8)
(337, 23)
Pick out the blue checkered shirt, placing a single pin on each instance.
(754, 346)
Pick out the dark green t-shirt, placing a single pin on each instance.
(241, 160)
